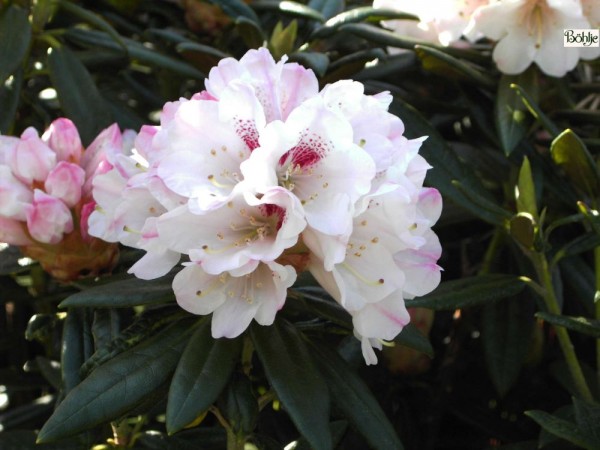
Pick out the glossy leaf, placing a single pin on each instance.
(78, 94)
(122, 294)
(290, 369)
(328, 8)
(506, 334)
(411, 336)
(572, 156)
(441, 63)
(531, 104)
(318, 62)
(236, 8)
(563, 429)
(289, 8)
(240, 406)
(587, 416)
(250, 32)
(15, 37)
(72, 352)
(522, 229)
(283, 40)
(470, 291)
(10, 93)
(512, 119)
(117, 386)
(359, 14)
(582, 325)
(203, 371)
(354, 400)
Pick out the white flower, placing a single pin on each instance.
(531, 31)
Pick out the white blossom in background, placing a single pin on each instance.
(262, 176)
(531, 31)
(45, 198)
(440, 22)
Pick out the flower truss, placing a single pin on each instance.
(46, 198)
(533, 30)
(262, 176)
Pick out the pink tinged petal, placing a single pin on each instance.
(13, 232)
(420, 267)
(7, 144)
(65, 182)
(48, 219)
(369, 355)
(31, 159)
(144, 142)
(130, 215)
(296, 85)
(104, 149)
(384, 319)
(198, 292)
(62, 137)
(14, 195)
(430, 205)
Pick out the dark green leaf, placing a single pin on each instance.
(354, 400)
(583, 325)
(289, 8)
(512, 120)
(328, 8)
(250, 32)
(93, 19)
(15, 36)
(563, 429)
(318, 301)
(106, 327)
(117, 386)
(359, 14)
(525, 194)
(522, 229)
(338, 430)
(470, 291)
(190, 46)
(446, 165)
(506, 335)
(25, 440)
(203, 371)
(50, 371)
(72, 351)
(122, 294)
(40, 326)
(570, 154)
(580, 244)
(531, 104)
(410, 336)
(77, 93)
(9, 260)
(136, 50)
(236, 8)
(290, 369)
(318, 62)
(587, 416)
(9, 99)
(240, 406)
(441, 63)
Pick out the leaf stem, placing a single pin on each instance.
(551, 301)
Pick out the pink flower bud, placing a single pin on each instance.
(104, 148)
(62, 137)
(86, 210)
(31, 159)
(14, 195)
(48, 218)
(65, 182)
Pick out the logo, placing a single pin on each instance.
(581, 38)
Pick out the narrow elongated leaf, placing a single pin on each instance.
(563, 429)
(236, 8)
(506, 333)
(9, 99)
(441, 63)
(570, 153)
(470, 291)
(328, 8)
(359, 14)
(72, 354)
(446, 165)
(526, 198)
(289, 8)
(587, 416)
(512, 120)
(240, 406)
(290, 369)
(410, 336)
(531, 104)
(338, 429)
(77, 93)
(318, 62)
(123, 294)
(117, 386)
(355, 401)
(15, 36)
(203, 371)
(583, 325)
(95, 39)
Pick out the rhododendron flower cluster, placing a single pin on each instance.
(45, 198)
(525, 31)
(262, 176)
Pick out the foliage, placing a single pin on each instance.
(515, 157)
